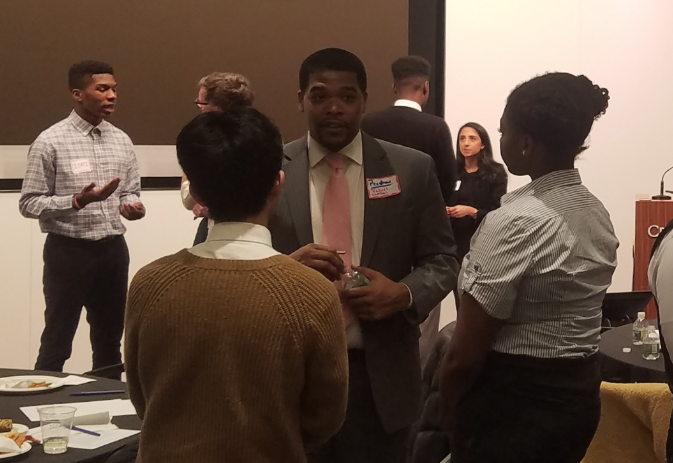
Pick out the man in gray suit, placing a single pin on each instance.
(392, 215)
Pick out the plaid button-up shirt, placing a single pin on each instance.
(63, 160)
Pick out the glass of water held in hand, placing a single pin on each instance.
(56, 423)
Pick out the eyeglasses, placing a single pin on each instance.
(200, 104)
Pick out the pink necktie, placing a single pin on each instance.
(336, 219)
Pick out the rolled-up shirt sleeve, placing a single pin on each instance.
(500, 256)
(187, 199)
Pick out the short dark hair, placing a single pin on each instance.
(485, 161)
(232, 159)
(557, 109)
(410, 66)
(332, 59)
(80, 73)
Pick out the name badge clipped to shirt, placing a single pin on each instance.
(80, 166)
(384, 187)
(457, 185)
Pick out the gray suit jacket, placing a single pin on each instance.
(406, 237)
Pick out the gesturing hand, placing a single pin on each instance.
(380, 299)
(89, 195)
(321, 258)
(133, 211)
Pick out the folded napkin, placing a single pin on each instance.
(74, 380)
(7, 445)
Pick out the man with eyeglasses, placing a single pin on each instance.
(218, 91)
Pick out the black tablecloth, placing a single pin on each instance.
(621, 367)
(9, 408)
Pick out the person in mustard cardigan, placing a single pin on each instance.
(234, 352)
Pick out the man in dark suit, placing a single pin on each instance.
(353, 201)
(405, 124)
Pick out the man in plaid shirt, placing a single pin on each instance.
(86, 259)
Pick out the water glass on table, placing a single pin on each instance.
(56, 424)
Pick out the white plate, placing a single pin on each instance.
(7, 382)
(25, 448)
(16, 427)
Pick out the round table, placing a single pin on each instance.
(631, 367)
(9, 408)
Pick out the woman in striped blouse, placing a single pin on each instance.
(520, 382)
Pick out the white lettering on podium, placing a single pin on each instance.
(654, 230)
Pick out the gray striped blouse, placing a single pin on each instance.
(542, 263)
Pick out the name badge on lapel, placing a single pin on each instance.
(384, 187)
(80, 166)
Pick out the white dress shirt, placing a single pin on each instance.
(187, 199)
(319, 175)
(659, 276)
(236, 241)
(409, 104)
(190, 202)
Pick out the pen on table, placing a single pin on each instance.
(85, 431)
(97, 392)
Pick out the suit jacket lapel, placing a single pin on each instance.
(297, 189)
(376, 165)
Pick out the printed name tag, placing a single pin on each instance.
(383, 187)
(79, 166)
(457, 185)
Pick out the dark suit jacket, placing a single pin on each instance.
(406, 237)
(421, 131)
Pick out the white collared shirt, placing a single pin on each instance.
(319, 175)
(409, 104)
(190, 202)
(659, 276)
(236, 241)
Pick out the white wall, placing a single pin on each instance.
(167, 228)
(622, 45)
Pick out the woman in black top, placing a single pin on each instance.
(481, 183)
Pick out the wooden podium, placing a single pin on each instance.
(651, 217)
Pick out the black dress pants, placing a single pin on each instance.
(80, 273)
(362, 438)
(529, 410)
